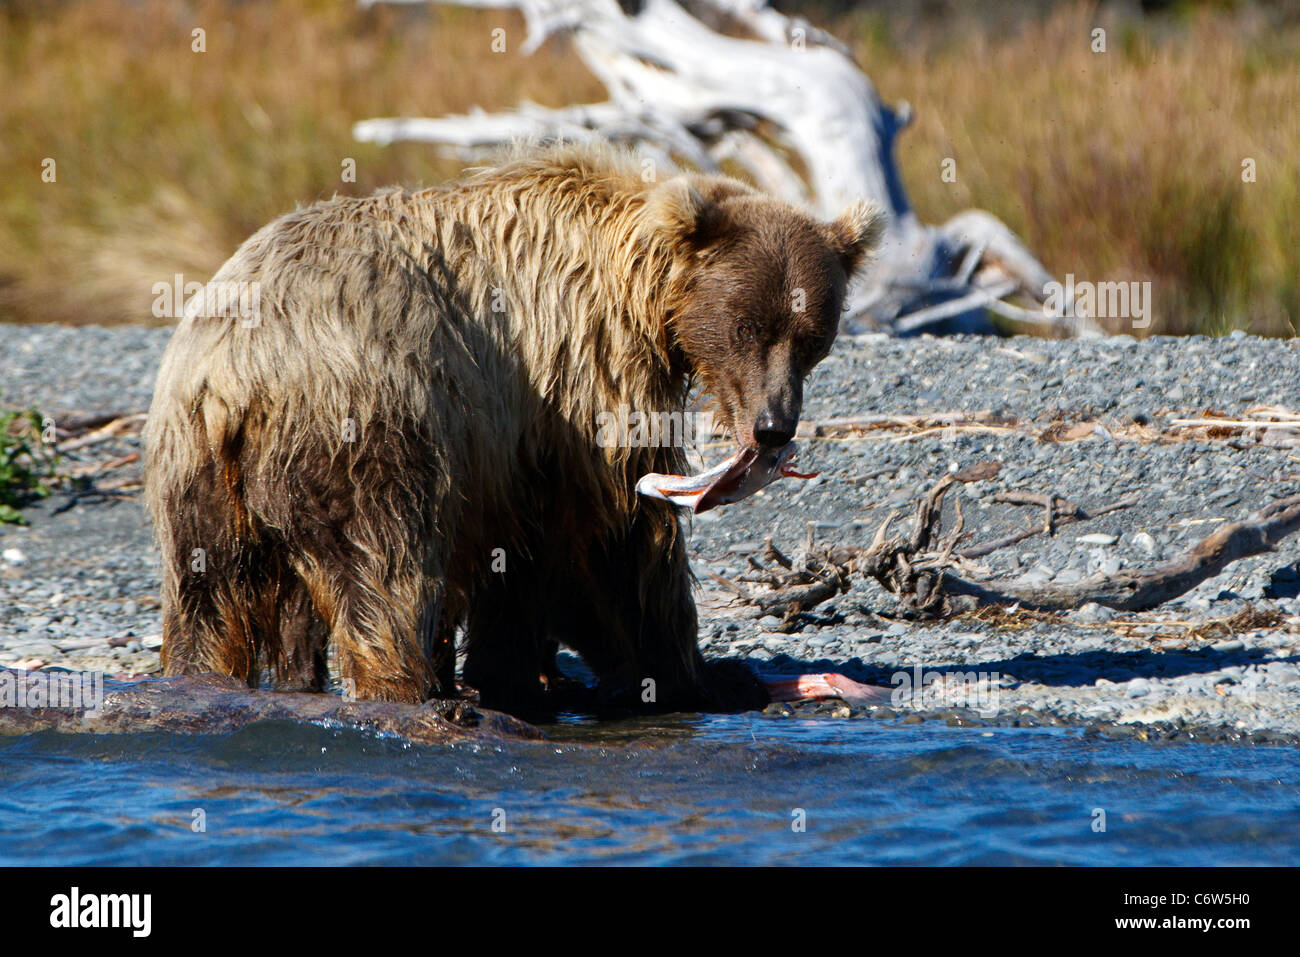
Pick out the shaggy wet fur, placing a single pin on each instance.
(416, 402)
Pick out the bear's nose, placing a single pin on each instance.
(773, 430)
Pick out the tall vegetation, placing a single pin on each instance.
(1123, 165)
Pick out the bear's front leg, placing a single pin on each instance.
(635, 625)
(509, 659)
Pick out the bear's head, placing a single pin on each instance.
(762, 295)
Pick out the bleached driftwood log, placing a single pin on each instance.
(680, 91)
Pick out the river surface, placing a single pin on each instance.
(736, 789)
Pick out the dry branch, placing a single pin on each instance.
(1066, 512)
(919, 567)
(1143, 590)
(115, 427)
(679, 91)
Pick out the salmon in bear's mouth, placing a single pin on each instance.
(738, 477)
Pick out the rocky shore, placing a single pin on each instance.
(1174, 436)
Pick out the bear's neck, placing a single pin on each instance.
(579, 295)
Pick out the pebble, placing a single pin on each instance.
(1146, 541)
(1097, 538)
(89, 574)
(1092, 613)
(1038, 575)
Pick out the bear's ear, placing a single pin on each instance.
(678, 210)
(856, 232)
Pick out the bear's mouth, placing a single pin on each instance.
(729, 481)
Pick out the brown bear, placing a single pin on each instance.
(398, 439)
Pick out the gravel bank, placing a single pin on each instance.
(1091, 421)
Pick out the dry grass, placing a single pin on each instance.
(167, 159)
(1117, 166)
(1125, 165)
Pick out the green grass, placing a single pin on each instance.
(25, 463)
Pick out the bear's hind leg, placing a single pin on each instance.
(214, 619)
(298, 660)
(382, 615)
(367, 534)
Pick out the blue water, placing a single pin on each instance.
(718, 789)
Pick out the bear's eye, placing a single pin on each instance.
(813, 349)
(746, 332)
